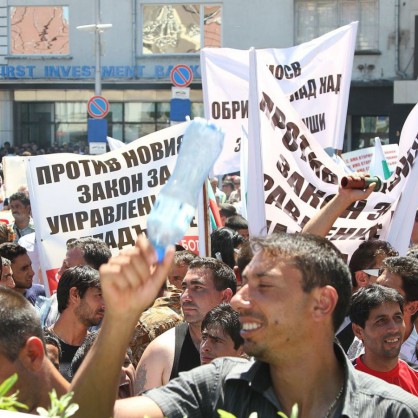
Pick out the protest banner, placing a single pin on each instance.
(297, 177)
(359, 160)
(315, 76)
(107, 196)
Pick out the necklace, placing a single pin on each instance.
(334, 402)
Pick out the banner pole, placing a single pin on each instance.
(203, 218)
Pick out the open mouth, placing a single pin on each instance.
(392, 340)
(248, 328)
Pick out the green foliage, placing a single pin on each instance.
(10, 403)
(60, 407)
(293, 414)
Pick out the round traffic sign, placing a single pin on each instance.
(181, 75)
(98, 107)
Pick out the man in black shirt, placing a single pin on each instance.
(81, 305)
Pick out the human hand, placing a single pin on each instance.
(351, 195)
(131, 281)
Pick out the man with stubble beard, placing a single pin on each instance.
(81, 305)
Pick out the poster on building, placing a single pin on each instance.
(315, 77)
(107, 196)
(297, 177)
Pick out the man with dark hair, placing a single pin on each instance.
(208, 282)
(22, 351)
(401, 274)
(377, 316)
(221, 334)
(21, 211)
(367, 260)
(364, 267)
(22, 271)
(81, 305)
(87, 251)
(238, 223)
(165, 313)
(226, 210)
(296, 293)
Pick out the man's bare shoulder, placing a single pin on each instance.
(155, 365)
(164, 342)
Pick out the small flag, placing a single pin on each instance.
(378, 164)
(215, 217)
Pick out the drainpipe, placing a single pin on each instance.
(134, 28)
(398, 70)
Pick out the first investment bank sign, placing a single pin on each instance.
(80, 72)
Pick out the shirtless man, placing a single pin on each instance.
(208, 282)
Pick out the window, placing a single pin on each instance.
(39, 30)
(63, 125)
(180, 28)
(314, 18)
(366, 128)
(144, 118)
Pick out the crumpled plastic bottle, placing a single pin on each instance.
(176, 203)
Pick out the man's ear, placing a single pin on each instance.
(411, 307)
(73, 294)
(362, 279)
(32, 354)
(325, 300)
(227, 295)
(358, 331)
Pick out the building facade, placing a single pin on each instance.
(48, 63)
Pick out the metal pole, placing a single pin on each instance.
(98, 74)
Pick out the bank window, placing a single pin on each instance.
(180, 28)
(144, 118)
(366, 128)
(39, 30)
(314, 18)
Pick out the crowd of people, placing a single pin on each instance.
(31, 148)
(259, 326)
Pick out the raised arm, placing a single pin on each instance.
(323, 220)
(130, 283)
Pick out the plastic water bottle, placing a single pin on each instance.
(176, 203)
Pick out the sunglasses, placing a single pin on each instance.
(372, 272)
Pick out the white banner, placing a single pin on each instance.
(359, 160)
(299, 177)
(107, 196)
(315, 76)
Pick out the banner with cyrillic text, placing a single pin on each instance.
(107, 196)
(315, 77)
(298, 177)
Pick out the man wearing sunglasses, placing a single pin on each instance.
(366, 260)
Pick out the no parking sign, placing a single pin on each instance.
(181, 75)
(98, 107)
